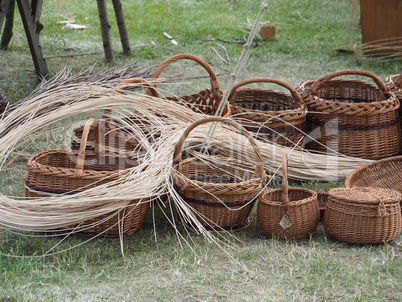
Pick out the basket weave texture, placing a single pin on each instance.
(206, 101)
(299, 205)
(273, 115)
(354, 117)
(385, 173)
(221, 190)
(394, 83)
(56, 172)
(363, 215)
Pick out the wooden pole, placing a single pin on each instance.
(30, 15)
(8, 26)
(3, 11)
(121, 23)
(105, 29)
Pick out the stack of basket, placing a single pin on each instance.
(61, 172)
(272, 115)
(353, 117)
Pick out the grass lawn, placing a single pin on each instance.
(157, 266)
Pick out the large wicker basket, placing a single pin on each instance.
(273, 115)
(288, 213)
(394, 83)
(352, 117)
(206, 101)
(57, 172)
(220, 190)
(363, 215)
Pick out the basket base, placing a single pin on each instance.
(218, 229)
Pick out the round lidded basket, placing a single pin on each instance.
(353, 117)
(272, 115)
(288, 213)
(58, 172)
(363, 215)
(220, 190)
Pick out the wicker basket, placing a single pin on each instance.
(394, 83)
(385, 173)
(221, 190)
(206, 101)
(56, 172)
(274, 116)
(353, 117)
(288, 213)
(363, 215)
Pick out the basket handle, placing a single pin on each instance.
(215, 85)
(293, 92)
(259, 167)
(79, 167)
(380, 84)
(123, 84)
(285, 183)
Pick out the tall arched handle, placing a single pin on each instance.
(380, 84)
(79, 167)
(215, 85)
(259, 167)
(292, 91)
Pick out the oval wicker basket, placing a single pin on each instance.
(206, 101)
(57, 172)
(363, 215)
(385, 173)
(221, 190)
(352, 117)
(288, 213)
(273, 115)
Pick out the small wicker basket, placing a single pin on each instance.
(58, 172)
(288, 213)
(273, 115)
(352, 117)
(221, 190)
(363, 215)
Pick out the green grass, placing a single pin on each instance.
(260, 269)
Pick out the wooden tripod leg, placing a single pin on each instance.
(30, 19)
(3, 11)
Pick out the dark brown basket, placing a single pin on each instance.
(297, 206)
(206, 101)
(363, 215)
(56, 172)
(353, 117)
(222, 191)
(273, 115)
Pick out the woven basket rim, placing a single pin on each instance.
(377, 163)
(343, 195)
(69, 172)
(292, 203)
(184, 178)
(313, 101)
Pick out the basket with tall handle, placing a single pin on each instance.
(59, 172)
(220, 190)
(288, 213)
